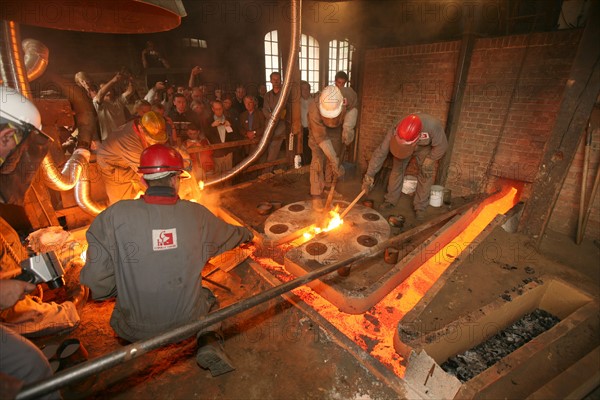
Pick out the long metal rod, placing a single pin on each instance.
(137, 349)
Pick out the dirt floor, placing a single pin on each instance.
(279, 351)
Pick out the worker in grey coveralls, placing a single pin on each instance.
(21, 362)
(420, 135)
(325, 121)
(149, 253)
(119, 154)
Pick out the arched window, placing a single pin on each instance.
(340, 58)
(309, 61)
(272, 57)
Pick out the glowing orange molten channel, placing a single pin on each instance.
(374, 330)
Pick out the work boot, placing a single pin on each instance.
(317, 203)
(386, 206)
(420, 215)
(211, 355)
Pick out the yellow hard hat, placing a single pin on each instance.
(154, 126)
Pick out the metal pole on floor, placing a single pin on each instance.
(138, 349)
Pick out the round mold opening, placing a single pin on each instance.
(279, 229)
(316, 248)
(371, 217)
(296, 208)
(366, 240)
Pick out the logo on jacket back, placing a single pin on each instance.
(164, 239)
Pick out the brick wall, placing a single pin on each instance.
(513, 93)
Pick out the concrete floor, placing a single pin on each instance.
(279, 350)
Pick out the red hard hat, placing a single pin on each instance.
(409, 128)
(159, 160)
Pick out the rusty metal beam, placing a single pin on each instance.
(581, 93)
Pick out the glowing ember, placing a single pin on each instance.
(201, 185)
(139, 194)
(374, 330)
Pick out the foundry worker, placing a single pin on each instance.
(325, 119)
(418, 135)
(119, 155)
(159, 286)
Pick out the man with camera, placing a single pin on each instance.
(111, 108)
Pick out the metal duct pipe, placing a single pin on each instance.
(296, 6)
(14, 74)
(12, 69)
(82, 193)
(35, 55)
(70, 174)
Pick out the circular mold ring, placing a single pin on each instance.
(279, 229)
(316, 248)
(371, 217)
(296, 208)
(366, 240)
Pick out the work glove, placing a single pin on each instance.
(428, 167)
(367, 183)
(329, 151)
(347, 136)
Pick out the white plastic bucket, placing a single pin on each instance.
(436, 197)
(409, 185)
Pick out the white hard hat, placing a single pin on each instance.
(16, 108)
(331, 102)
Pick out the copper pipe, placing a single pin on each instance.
(296, 6)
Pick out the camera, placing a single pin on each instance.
(43, 268)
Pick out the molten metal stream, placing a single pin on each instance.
(374, 331)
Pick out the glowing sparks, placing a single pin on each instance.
(334, 221)
(201, 185)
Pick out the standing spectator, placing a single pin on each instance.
(153, 62)
(194, 73)
(83, 80)
(417, 135)
(271, 99)
(181, 116)
(238, 100)
(252, 125)
(262, 90)
(161, 287)
(203, 164)
(156, 93)
(111, 108)
(231, 113)
(218, 94)
(305, 100)
(220, 131)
